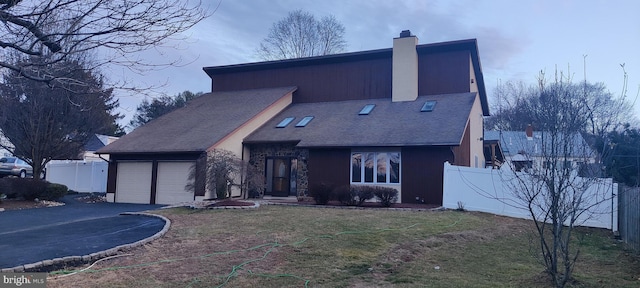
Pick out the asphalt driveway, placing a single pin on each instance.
(75, 229)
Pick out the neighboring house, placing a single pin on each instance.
(388, 117)
(6, 143)
(86, 173)
(5, 153)
(524, 149)
(94, 143)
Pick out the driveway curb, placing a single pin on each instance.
(75, 260)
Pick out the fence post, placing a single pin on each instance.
(629, 215)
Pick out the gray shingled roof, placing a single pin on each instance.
(199, 125)
(95, 142)
(337, 124)
(515, 142)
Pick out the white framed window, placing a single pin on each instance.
(375, 167)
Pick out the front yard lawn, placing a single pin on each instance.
(281, 246)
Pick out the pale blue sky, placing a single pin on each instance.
(516, 39)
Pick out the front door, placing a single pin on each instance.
(281, 176)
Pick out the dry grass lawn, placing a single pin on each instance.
(280, 246)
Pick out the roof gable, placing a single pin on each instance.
(200, 124)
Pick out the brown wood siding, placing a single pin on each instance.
(112, 173)
(422, 171)
(329, 166)
(439, 73)
(444, 73)
(462, 153)
(367, 79)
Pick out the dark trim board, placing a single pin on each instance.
(154, 181)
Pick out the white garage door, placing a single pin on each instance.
(172, 179)
(133, 183)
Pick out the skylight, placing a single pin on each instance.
(304, 121)
(428, 106)
(285, 122)
(367, 109)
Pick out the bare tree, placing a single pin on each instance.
(515, 107)
(53, 31)
(300, 34)
(224, 171)
(511, 107)
(551, 191)
(44, 123)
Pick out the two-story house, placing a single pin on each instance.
(388, 117)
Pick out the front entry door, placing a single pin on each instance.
(281, 176)
(281, 172)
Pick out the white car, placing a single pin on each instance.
(15, 167)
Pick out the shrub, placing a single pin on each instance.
(353, 196)
(221, 188)
(6, 189)
(344, 195)
(54, 192)
(254, 193)
(29, 189)
(385, 195)
(362, 193)
(321, 193)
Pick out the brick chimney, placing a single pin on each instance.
(405, 68)
(529, 132)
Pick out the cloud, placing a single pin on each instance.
(232, 34)
(497, 48)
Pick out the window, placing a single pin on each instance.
(367, 109)
(522, 166)
(559, 164)
(285, 122)
(304, 121)
(428, 106)
(375, 167)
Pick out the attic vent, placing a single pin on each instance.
(428, 106)
(367, 109)
(304, 121)
(285, 122)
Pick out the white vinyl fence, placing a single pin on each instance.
(79, 176)
(488, 190)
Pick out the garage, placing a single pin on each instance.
(133, 183)
(172, 179)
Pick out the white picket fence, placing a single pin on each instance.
(79, 176)
(487, 190)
